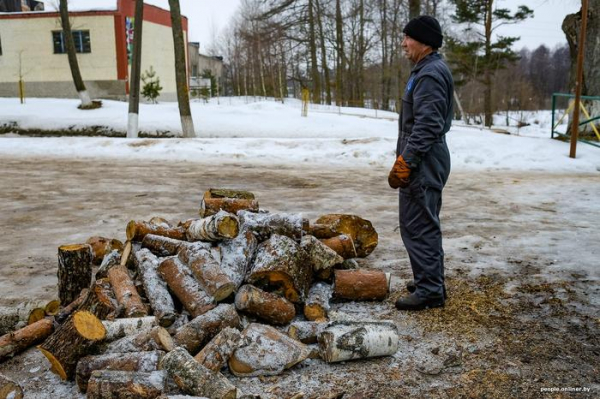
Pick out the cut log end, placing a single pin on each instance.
(229, 227)
(36, 315)
(57, 367)
(89, 326)
(72, 247)
(131, 230)
(315, 313)
(52, 308)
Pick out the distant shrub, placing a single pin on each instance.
(152, 88)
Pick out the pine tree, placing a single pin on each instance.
(152, 87)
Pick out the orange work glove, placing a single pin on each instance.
(399, 175)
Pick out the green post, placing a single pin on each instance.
(553, 110)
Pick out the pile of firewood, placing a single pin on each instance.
(176, 304)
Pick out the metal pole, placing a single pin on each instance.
(553, 110)
(578, 82)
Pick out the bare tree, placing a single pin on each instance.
(134, 86)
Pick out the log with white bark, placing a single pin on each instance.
(25, 313)
(71, 341)
(266, 351)
(185, 287)
(218, 351)
(120, 328)
(342, 341)
(317, 306)
(74, 271)
(138, 361)
(361, 231)
(195, 379)
(111, 259)
(280, 264)
(101, 246)
(65, 312)
(217, 227)
(116, 384)
(237, 256)
(150, 339)
(269, 307)
(100, 301)
(17, 341)
(306, 331)
(162, 246)
(155, 287)
(265, 224)
(321, 257)
(342, 245)
(207, 271)
(231, 201)
(361, 285)
(137, 230)
(125, 291)
(198, 332)
(9, 389)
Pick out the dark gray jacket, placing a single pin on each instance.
(425, 117)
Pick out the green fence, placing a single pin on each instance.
(591, 120)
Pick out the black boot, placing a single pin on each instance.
(411, 287)
(413, 302)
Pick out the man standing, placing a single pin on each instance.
(423, 161)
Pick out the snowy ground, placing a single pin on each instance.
(520, 223)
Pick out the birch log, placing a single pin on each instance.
(22, 314)
(342, 341)
(361, 285)
(195, 379)
(100, 301)
(137, 230)
(17, 341)
(155, 287)
(125, 291)
(101, 246)
(265, 224)
(208, 272)
(120, 328)
(267, 306)
(316, 307)
(321, 257)
(156, 338)
(162, 246)
(237, 255)
(361, 231)
(74, 271)
(342, 245)
(217, 227)
(115, 384)
(218, 351)
(306, 331)
(111, 259)
(9, 389)
(231, 201)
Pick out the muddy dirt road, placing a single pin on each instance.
(522, 268)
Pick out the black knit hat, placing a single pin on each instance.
(425, 29)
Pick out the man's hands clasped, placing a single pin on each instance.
(400, 174)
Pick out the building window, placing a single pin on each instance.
(80, 37)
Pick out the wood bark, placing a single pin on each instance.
(306, 331)
(342, 341)
(112, 259)
(22, 314)
(116, 384)
(265, 224)
(361, 231)
(71, 341)
(17, 341)
(155, 287)
(136, 71)
(162, 246)
(361, 285)
(9, 389)
(100, 301)
(74, 271)
(152, 339)
(231, 201)
(198, 332)
(195, 379)
(216, 353)
(101, 246)
(140, 361)
(266, 352)
(125, 291)
(185, 287)
(343, 245)
(269, 307)
(65, 312)
(208, 272)
(137, 230)
(321, 257)
(122, 327)
(217, 227)
(280, 264)
(317, 304)
(237, 256)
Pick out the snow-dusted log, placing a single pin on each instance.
(198, 332)
(265, 224)
(342, 341)
(361, 285)
(317, 306)
(17, 341)
(269, 307)
(120, 328)
(101, 246)
(231, 201)
(155, 338)
(139, 361)
(194, 378)
(217, 227)
(125, 291)
(237, 256)
(25, 313)
(100, 300)
(207, 271)
(9, 389)
(110, 260)
(342, 245)
(65, 312)
(360, 230)
(137, 230)
(306, 331)
(266, 351)
(218, 351)
(74, 271)
(155, 287)
(162, 246)
(116, 384)
(71, 341)
(185, 287)
(321, 257)
(281, 264)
